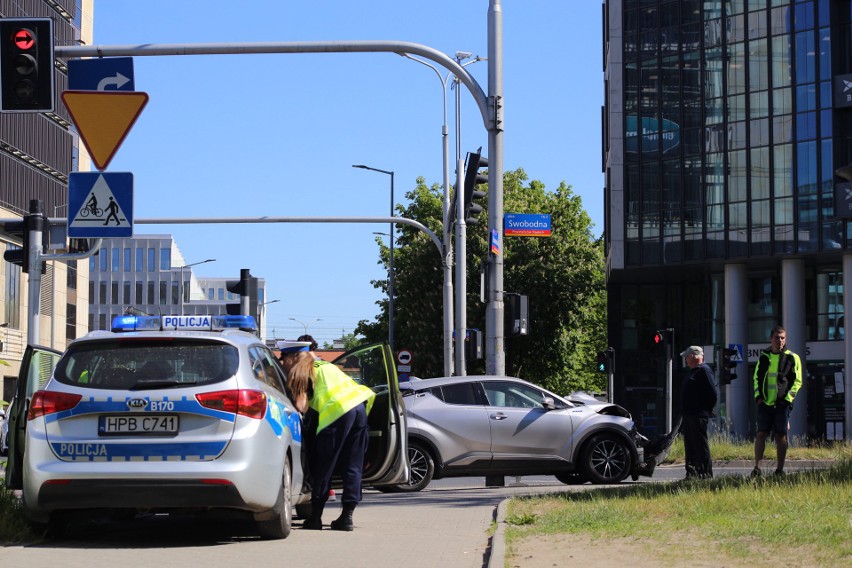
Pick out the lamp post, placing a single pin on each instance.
(449, 360)
(305, 325)
(390, 264)
(260, 314)
(183, 285)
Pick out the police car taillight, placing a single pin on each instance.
(49, 402)
(183, 323)
(249, 403)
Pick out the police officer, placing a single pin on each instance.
(342, 433)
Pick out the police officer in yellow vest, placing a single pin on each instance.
(342, 433)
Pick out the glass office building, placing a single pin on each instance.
(725, 125)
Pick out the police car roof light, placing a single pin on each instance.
(126, 323)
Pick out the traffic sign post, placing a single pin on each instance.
(100, 204)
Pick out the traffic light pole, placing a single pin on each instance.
(461, 275)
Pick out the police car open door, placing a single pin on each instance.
(386, 462)
(36, 369)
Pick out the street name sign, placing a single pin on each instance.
(526, 224)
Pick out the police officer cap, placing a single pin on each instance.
(290, 346)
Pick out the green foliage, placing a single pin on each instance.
(563, 276)
(14, 528)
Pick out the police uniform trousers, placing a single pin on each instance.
(340, 447)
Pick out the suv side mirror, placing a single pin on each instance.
(547, 403)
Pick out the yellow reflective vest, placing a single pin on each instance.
(336, 393)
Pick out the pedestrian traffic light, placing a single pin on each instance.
(605, 360)
(727, 365)
(26, 65)
(473, 178)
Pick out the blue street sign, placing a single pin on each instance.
(100, 204)
(526, 224)
(101, 74)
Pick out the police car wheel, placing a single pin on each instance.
(281, 523)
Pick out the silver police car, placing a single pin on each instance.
(176, 413)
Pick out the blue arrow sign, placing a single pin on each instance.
(102, 74)
(100, 204)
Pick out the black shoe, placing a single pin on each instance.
(343, 522)
(756, 472)
(779, 473)
(313, 524)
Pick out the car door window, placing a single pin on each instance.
(463, 393)
(512, 395)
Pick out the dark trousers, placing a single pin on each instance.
(341, 447)
(696, 446)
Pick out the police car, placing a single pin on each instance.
(173, 413)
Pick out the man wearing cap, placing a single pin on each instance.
(699, 396)
(341, 406)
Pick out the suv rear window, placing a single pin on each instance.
(147, 363)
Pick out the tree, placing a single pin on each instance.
(563, 276)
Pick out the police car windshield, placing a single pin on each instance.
(147, 363)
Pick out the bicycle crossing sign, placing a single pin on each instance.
(100, 204)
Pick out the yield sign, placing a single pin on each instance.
(103, 119)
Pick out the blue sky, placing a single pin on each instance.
(276, 135)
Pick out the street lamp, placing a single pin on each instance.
(260, 312)
(390, 264)
(461, 324)
(183, 285)
(305, 325)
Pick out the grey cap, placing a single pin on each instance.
(693, 350)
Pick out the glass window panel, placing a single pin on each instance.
(713, 33)
(737, 135)
(781, 62)
(114, 292)
(804, 14)
(737, 176)
(759, 104)
(715, 217)
(104, 254)
(102, 293)
(805, 58)
(128, 259)
(806, 126)
(808, 211)
(692, 181)
(807, 168)
(152, 265)
(140, 259)
(760, 173)
(715, 110)
(782, 129)
(151, 293)
(827, 165)
(737, 108)
(823, 13)
(757, 24)
(824, 46)
(782, 101)
(825, 94)
(163, 292)
(165, 258)
(735, 69)
(126, 293)
(825, 124)
(116, 259)
(715, 178)
(783, 170)
(806, 98)
(832, 235)
(783, 211)
(759, 132)
(737, 216)
(734, 6)
(735, 31)
(780, 20)
(139, 293)
(760, 213)
(808, 235)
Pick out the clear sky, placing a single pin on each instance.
(277, 135)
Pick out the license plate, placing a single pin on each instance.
(140, 425)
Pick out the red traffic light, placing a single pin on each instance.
(658, 338)
(24, 39)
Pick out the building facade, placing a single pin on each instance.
(37, 152)
(725, 122)
(147, 274)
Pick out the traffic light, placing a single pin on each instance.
(605, 360)
(18, 255)
(727, 365)
(473, 178)
(26, 65)
(246, 288)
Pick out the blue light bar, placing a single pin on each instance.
(183, 323)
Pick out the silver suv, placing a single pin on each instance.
(498, 426)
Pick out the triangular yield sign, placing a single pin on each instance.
(103, 119)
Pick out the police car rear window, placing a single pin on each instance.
(146, 364)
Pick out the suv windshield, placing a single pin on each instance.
(146, 363)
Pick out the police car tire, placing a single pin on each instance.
(281, 523)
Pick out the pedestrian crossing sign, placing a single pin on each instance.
(100, 204)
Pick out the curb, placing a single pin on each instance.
(497, 554)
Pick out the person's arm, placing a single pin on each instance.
(758, 396)
(301, 402)
(797, 381)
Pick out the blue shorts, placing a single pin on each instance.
(773, 418)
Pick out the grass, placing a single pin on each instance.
(803, 518)
(14, 529)
(725, 447)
